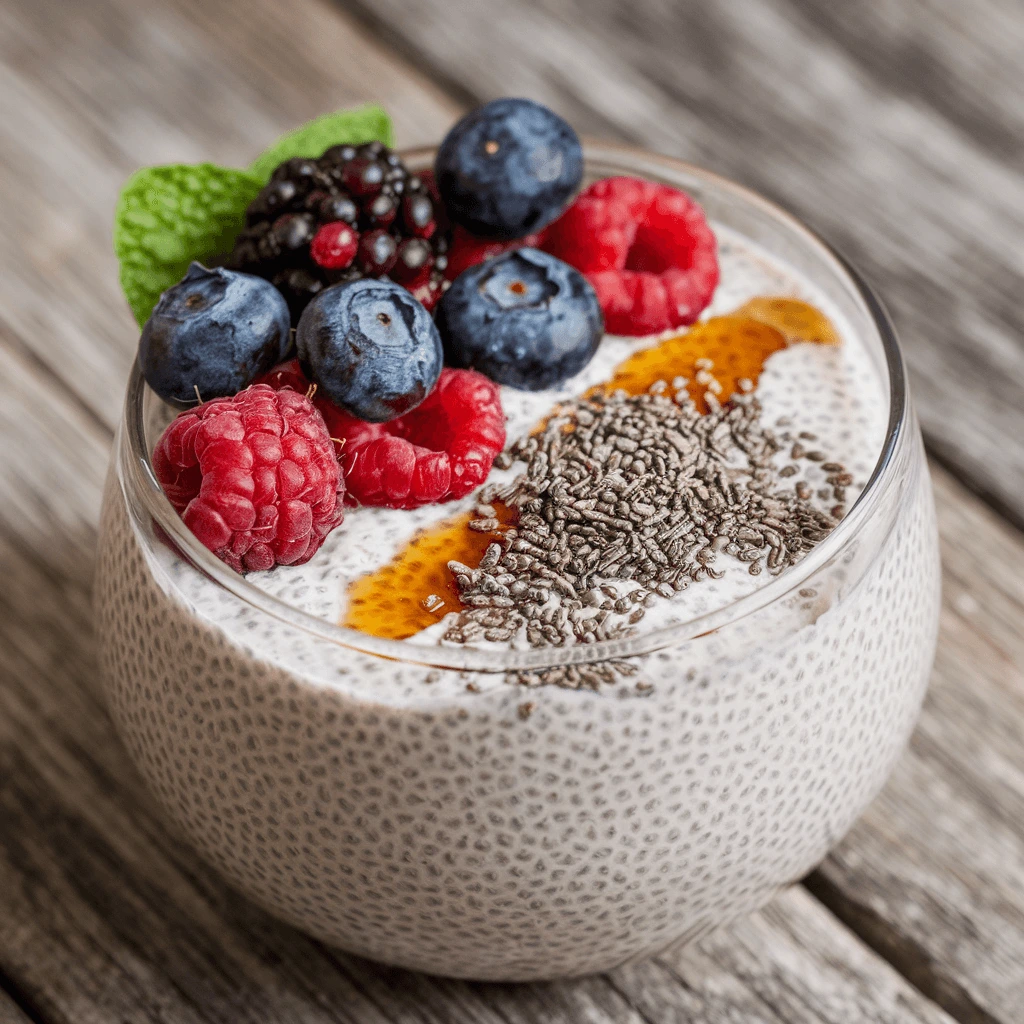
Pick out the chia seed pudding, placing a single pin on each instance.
(538, 806)
(824, 404)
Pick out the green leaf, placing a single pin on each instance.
(343, 127)
(169, 216)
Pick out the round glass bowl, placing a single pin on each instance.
(356, 788)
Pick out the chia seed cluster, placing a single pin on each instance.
(628, 499)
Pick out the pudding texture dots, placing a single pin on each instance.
(555, 802)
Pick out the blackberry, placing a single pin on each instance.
(397, 217)
(377, 253)
(413, 257)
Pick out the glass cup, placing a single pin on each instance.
(355, 787)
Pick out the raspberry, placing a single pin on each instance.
(440, 451)
(647, 250)
(253, 476)
(467, 250)
(592, 235)
(334, 246)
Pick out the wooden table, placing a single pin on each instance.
(895, 127)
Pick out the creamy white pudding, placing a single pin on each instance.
(406, 801)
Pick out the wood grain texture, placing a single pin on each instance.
(10, 1012)
(893, 127)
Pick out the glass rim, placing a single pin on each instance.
(476, 659)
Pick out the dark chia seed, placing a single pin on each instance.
(625, 500)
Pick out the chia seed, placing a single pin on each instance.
(640, 491)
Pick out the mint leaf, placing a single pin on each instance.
(343, 127)
(168, 216)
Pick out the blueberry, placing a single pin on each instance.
(215, 331)
(371, 347)
(508, 168)
(524, 318)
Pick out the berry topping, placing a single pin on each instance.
(647, 250)
(213, 333)
(366, 187)
(253, 476)
(418, 215)
(273, 197)
(525, 318)
(335, 245)
(364, 176)
(298, 286)
(441, 451)
(300, 170)
(293, 231)
(371, 347)
(383, 209)
(426, 183)
(508, 168)
(467, 250)
(338, 207)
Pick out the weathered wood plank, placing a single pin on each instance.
(759, 954)
(893, 127)
(52, 464)
(94, 91)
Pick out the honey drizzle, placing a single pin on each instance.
(797, 320)
(737, 346)
(393, 602)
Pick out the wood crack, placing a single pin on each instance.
(25, 1003)
(912, 960)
